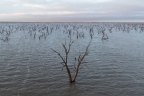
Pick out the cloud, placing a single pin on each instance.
(71, 10)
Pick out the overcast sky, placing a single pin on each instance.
(71, 10)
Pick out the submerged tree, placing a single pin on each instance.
(78, 60)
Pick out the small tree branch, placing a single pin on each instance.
(80, 61)
(59, 55)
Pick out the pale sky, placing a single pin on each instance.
(71, 10)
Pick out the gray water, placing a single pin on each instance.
(28, 66)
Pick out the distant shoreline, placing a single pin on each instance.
(66, 22)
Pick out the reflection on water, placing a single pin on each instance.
(29, 68)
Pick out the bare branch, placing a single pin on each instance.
(59, 55)
(70, 44)
(80, 60)
(64, 46)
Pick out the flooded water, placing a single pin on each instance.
(115, 63)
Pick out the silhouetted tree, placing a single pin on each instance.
(78, 60)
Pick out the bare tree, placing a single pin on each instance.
(78, 60)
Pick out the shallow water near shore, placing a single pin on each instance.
(28, 66)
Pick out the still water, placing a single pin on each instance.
(28, 66)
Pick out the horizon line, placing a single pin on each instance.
(72, 22)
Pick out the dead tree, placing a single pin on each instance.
(78, 60)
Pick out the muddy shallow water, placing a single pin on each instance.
(28, 66)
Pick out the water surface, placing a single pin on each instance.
(28, 66)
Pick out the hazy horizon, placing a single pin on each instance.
(72, 11)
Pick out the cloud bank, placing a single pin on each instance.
(71, 10)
